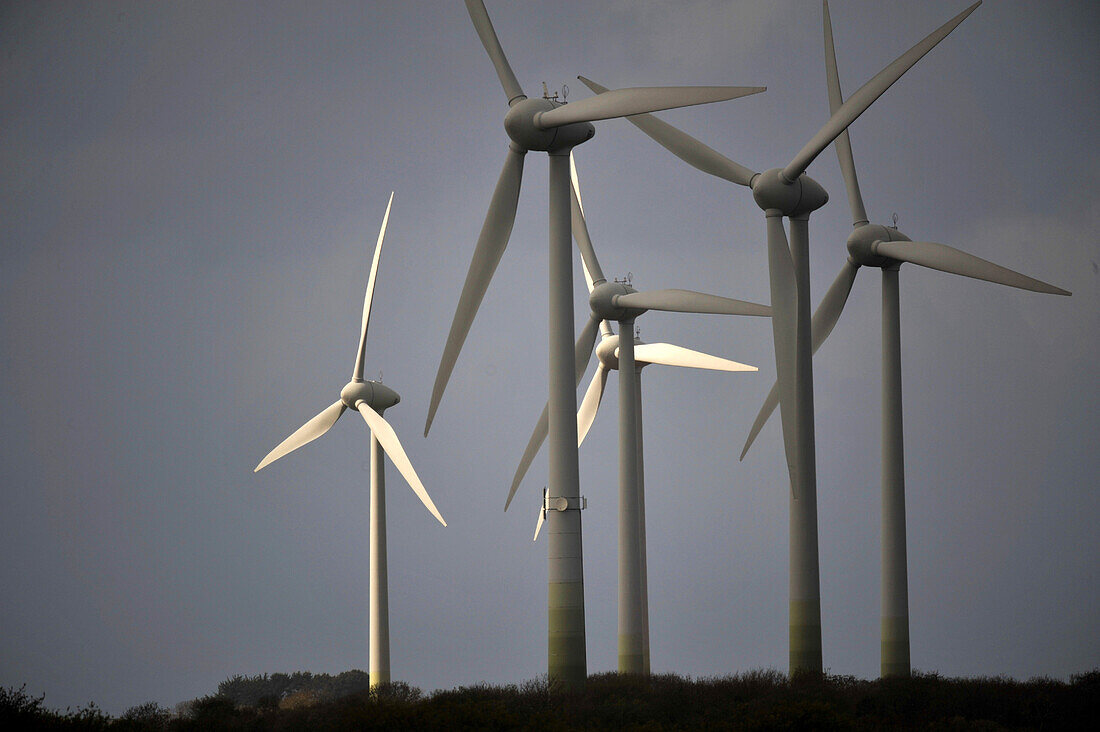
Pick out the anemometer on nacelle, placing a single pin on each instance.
(554, 97)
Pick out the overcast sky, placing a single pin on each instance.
(189, 196)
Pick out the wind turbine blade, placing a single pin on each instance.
(359, 358)
(592, 398)
(670, 355)
(831, 306)
(766, 409)
(387, 438)
(639, 100)
(784, 293)
(575, 181)
(307, 433)
(949, 259)
(582, 353)
(684, 146)
(858, 103)
(592, 270)
(587, 275)
(821, 325)
(688, 301)
(843, 143)
(490, 246)
(582, 350)
(484, 28)
(538, 524)
(542, 427)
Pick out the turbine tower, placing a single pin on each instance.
(628, 355)
(872, 245)
(789, 193)
(370, 399)
(549, 126)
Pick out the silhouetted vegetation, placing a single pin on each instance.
(270, 689)
(759, 700)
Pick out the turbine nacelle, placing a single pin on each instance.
(522, 125)
(374, 394)
(772, 191)
(863, 245)
(604, 301)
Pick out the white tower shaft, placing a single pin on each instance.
(379, 599)
(631, 634)
(642, 552)
(805, 589)
(566, 665)
(895, 583)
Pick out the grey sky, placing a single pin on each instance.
(189, 193)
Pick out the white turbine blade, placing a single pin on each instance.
(584, 346)
(587, 275)
(359, 358)
(670, 355)
(538, 525)
(582, 353)
(949, 259)
(689, 301)
(821, 325)
(484, 28)
(784, 292)
(542, 427)
(843, 142)
(639, 100)
(575, 182)
(490, 246)
(766, 409)
(307, 433)
(684, 146)
(591, 402)
(591, 265)
(858, 103)
(387, 438)
(832, 305)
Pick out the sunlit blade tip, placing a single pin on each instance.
(671, 355)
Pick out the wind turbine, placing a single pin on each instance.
(555, 128)
(884, 247)
(370, 399)
(789, 192)
(628, 355)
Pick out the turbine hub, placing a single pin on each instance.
(602, 301)
(607, 353)
(377, 395)
(863, 241)
(801, 196)
(520, 124)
